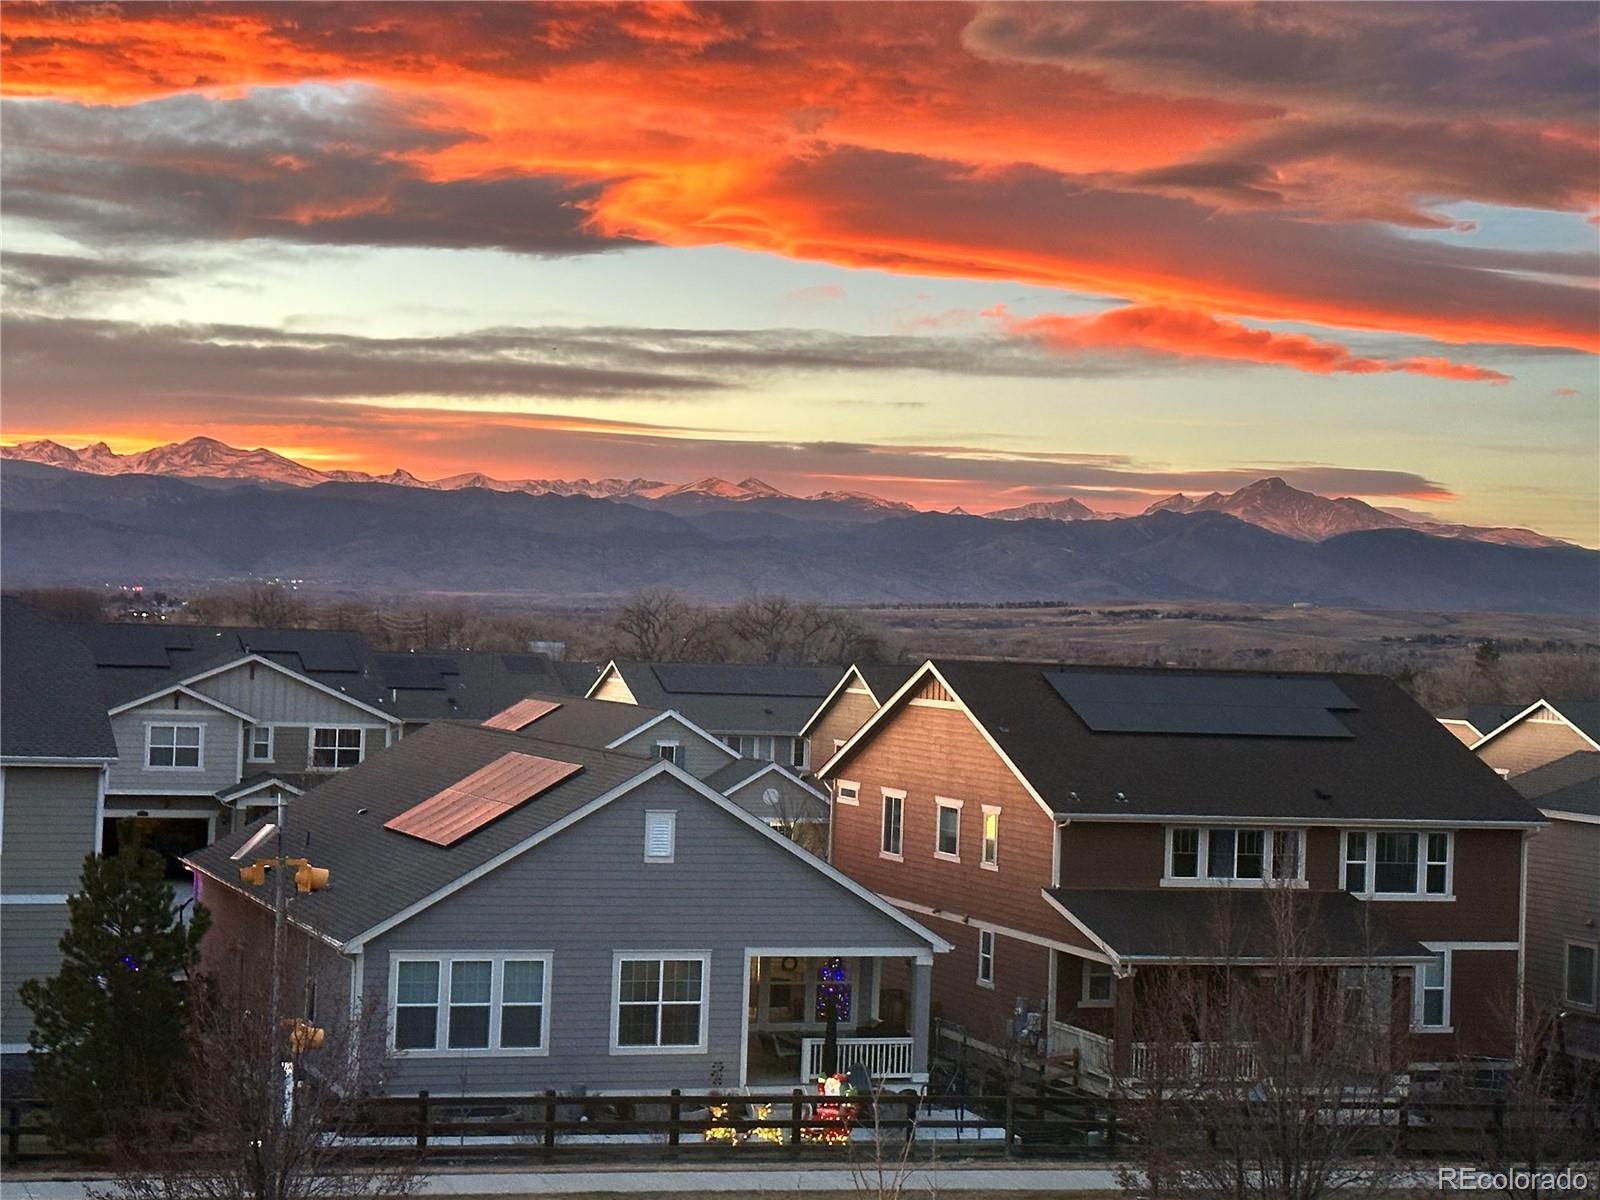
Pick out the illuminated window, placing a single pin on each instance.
(991, 837)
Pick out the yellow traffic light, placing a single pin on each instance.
(310, 879)
(256, 873)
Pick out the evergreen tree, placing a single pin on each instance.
(111, 1027)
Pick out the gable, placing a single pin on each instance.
(277, 697)
(611, 686)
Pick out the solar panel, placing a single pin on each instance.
(318, 650)
(417, 671)
(1233, 705)
(521, 714)
(525, 664)
(135, 645)
(484, 796)
(753, 680)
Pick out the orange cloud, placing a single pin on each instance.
(1186, 332)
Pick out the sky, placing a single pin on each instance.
(953, 254)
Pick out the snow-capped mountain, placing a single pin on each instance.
(1068, 509)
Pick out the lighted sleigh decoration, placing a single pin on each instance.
(835, 1108)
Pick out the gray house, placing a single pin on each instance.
(513, 914)
(55, 750)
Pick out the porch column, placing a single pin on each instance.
(1122, 1025)
(918, 1021)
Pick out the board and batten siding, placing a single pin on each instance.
(49, 816)
(272, 697)
(1563, 904)
(220, 749)
(30, 937)
(700, 758)
(588, 892)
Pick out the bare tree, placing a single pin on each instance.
(1261, 1075)
(652, 626)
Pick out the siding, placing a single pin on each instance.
(271, 696)
(49, 827)
(586, 893)
(1532, 743)
(795, 803)
(30, 935)
(848, 713)
(220, 748)
(1563, 903)
(614, 689)
(291, 748)
(699, 757)
(1021, 976)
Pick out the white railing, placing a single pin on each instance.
(1194, 1060)
(1094, 1051)
(883, 1057)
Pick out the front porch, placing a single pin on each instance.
(879, 1008)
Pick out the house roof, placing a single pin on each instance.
(1582, 715)
(1482, 717)
(732, 697)
(51, 698)
(298, 782)
(1569, 784)
(881, 679)
(744, 771)
(1391, 762)
(471, 684)
(1167, 924)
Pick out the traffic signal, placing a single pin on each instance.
(256, 873)
(310, 879)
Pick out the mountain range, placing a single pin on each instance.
(381, 538)
(1270, 504)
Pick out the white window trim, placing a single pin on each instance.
(984, 861)
(311, 747)
(838, 791)
(618, 957)
(892, 794)
(804, 746)
(677, 751)
(1421, 895)
(1448, 954)
(1202, 880)
(250, 743)
(200, 765)
(1593, 1003)
(671, 814)
(496, 991)
(989, 934)
(940, 803)
(1084, 999)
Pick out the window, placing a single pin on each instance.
(174, 746)
(991, 838)
(986, 957)
(1096, 984)
(672, 752)
(1397, 863)
(751, 745)
(894, 804)
(335, 749)
(800, 753)
(947, 832)
(846, 792)
(491, 1002)
(660, 836)
(260, 746)
(786, 990)
(1582, 984)
(1433, 993)
(660, 1003)
(1232, 855)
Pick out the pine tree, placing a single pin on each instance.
(111, 1027)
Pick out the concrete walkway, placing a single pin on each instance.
(774, 1182)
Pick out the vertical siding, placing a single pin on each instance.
(30, 936)
(1532, 743)
(1563, 903)
(49, 827)
(272, 696)
(220, 749)
(587, 893)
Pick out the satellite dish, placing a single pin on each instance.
(771, 796)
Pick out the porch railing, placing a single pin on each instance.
(883, 1057)
(1194, 1060)
(1094, 1051)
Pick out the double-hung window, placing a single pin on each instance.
(1096, 984)
(335, 749)
(260, 744)
(990, 857)
(1204, 855)
(446, 1005)
(1583, 975)
(1396, 863)
(800, 753)
(659, 1003)
(986, 957)
(947, 830)
(1432, 1002)
(173, 746)
(846, 792)
(894, 809)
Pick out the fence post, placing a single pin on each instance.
(794, 1121)
(422, 1119)
(549, 1122)
(672, 1115)
(1402, 1121)
(1011, 1119)
(1111, 1128)
(13, 1131)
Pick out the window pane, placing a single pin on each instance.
(1433, 973)
(680, 979)
(1219, 858)
(188, 735)
(418, 983)
(523, 982)
(162, 735)
(1355, 869)
(1286, 854)
(1433, 1007)
(1580, 974)
(680, 1024)
(521, 1026)
(1252, 853)
(949, 830)
(350, 739)
(470, 982)
(469, 1027)
(636, 1025)
(415, 1028)
(1185, 853)
(1396, 863)
(641, 980)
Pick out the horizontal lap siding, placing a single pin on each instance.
(848, 713)
(220, 749)
(30, 936)
(1483, 1007)
(1532, 744)
(1021, 973)
(587, 893)
(1488, 894)
(699, 757)
(1563, 903)
(49, 827)
(1112, 854)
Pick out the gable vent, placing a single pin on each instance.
(659, 836)
(484, 796)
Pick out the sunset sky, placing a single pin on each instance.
(949, 253)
